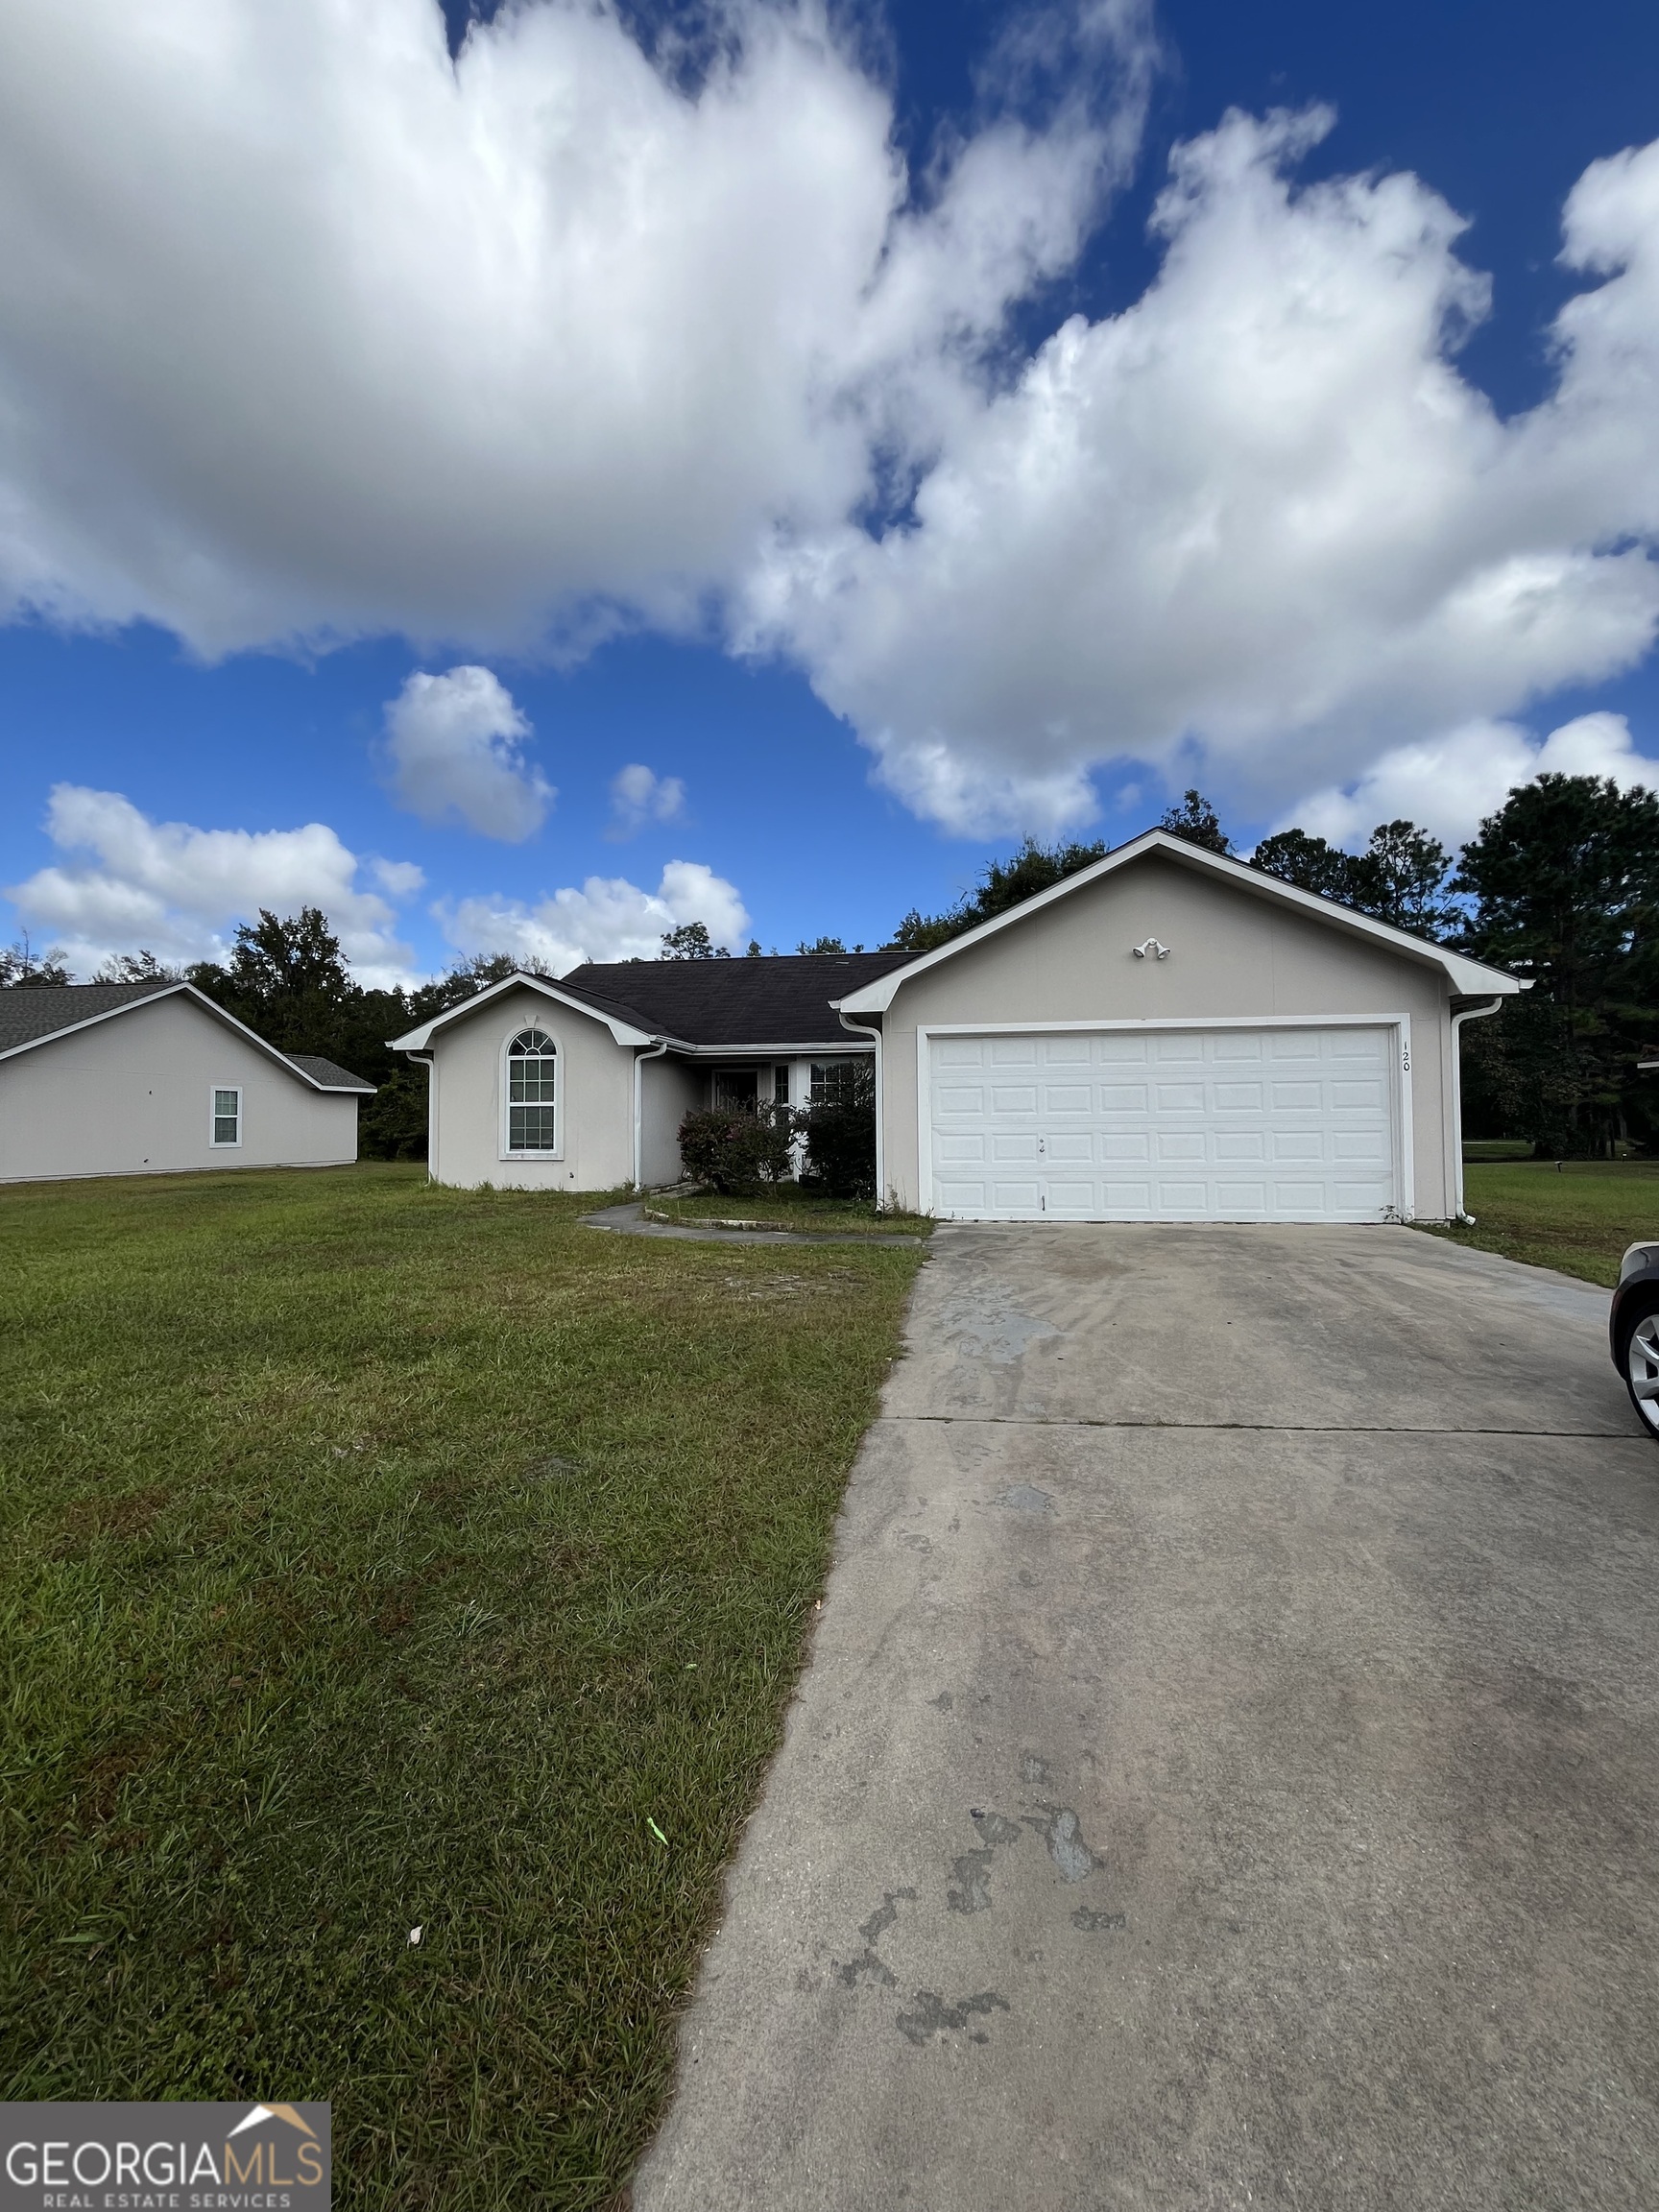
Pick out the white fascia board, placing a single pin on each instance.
(1467, 977)
(419, 1039)
(208, 1005)
(843, 1046)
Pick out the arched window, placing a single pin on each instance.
(532, 1078)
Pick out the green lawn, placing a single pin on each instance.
(380, 1558)
(791, 1208)
(1578, 1219)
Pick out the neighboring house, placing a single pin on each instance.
(153, 1078)
(1167, 1036)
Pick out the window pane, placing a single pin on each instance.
(832, 1079)
(223, 1128)
(225, 1102)
(780, 1085)
(530, 1129)
(532, 1067)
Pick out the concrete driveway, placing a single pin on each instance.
(1228, 1770)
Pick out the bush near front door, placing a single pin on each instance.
(738, 1152)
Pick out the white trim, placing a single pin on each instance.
(418, 1039)
(216, 1091)
(1466, 976)
(781, 1051)
(504, 1084)
(1404, 1151)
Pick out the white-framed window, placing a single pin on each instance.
(532, 1130)
(832, 1081)
(225, 1117)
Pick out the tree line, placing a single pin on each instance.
(1559, 886)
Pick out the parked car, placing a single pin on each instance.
(1633, 1330)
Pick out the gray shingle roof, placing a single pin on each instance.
(32, 1012)
(781, 999)
(328, 1073)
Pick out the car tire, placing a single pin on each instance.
(1639, 1359)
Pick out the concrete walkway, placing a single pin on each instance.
(1228, 1770)
(629, 1221)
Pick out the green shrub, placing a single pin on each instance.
(839, 1134)
(738, 1150)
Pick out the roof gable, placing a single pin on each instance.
(1467, 977)
(623, 1026)
(47, 1011)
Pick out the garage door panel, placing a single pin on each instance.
(1124, 1145)
(1066, 1147)
(1179, 1145)
(1020, 1200)
(1232, 1145)
(1223, 1124)
(1239, 1195)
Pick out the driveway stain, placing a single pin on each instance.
(869, 1961)
(932, 2016)
(972, 1872)
(1024, 1499)
(1090, 1921)
(1063, 1834)
(990, 1331)
(971, 1893)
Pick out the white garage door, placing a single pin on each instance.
(1164, 1125)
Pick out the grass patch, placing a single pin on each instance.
(1578, 1219)
(376, 1558)
(793, 1209)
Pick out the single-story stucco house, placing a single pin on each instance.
(154, 1078)
(1167, 1036)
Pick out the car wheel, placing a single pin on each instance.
(1642, 1369)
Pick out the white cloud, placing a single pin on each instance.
(638, 796)
(129, 882)
(311, 332)
(1446, 785)
(519, 349)
(452, 746)
(607, 919)
(1257, 528)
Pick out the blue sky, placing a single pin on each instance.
(878, 523)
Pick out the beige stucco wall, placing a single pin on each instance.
(1230, 953)
(595, 1100)
(673, 1089)
(132, 1096)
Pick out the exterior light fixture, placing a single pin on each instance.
(1151, 948)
